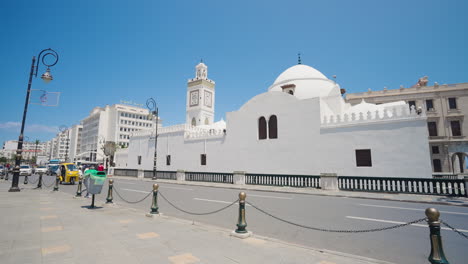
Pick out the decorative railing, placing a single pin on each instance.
(126, 172)
(209, 177)
(445, 176)
(446, 187)
(166, 175)
(283, 180)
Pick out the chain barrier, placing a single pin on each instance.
(454, 229)
(34, 182)
(340, 230)
(192, 213)
(48, 186)
(131, 202)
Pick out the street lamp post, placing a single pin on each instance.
(47, 77)
(152, 106)
(63, 128)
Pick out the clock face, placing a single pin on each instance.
(208, 98)
(194, 98)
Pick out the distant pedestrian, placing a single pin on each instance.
(100, 167)
(86, 182)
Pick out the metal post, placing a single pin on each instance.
(437, 255)
(80, 182)
(39, 183)
(154, 204)
(109, 192)
(16, 170)
(241, 223)
(25, 179)
(92, 203)
(56, 187)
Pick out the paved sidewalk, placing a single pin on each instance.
(402, 197)
(42, 226)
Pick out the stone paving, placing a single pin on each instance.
(42, 226)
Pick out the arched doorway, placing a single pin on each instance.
(459, 162)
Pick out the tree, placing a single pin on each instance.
(3, 160)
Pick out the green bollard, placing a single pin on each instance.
(437, 252)
(56, 187)
(109, 192)
(78, 190)
(154, 204)
(241, 223)
(39, 182)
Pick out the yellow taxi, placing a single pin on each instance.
(68, 173)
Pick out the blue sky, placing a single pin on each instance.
(132, 50)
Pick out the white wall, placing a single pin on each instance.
(303, 145)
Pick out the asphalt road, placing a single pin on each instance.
(407, 245)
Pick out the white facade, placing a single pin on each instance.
(75, 142)
(30, 149)
(301, 125)
(111, 123)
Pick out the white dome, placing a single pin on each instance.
(299, 71)
(307, 82)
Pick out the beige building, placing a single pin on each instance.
(446, 107)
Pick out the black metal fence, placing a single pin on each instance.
(283, 180)
(446, 187)
(209, 177)
(445, 176)
(126, 172)
(166, 175)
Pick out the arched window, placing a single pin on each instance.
(273, 127)
(262, 128)
(194, 121)
(291, 92)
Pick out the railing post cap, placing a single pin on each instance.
(432, 214)
(238, 172)
(180, 171)
(111, 181)
(242, 196)
(155, 187)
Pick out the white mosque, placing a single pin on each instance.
(301, 125)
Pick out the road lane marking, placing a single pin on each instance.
(412, 209)
(396, 222)
(132, 190)
(214, 201)
(177, 188)
(125, 182)
(266, 196)
(51, 229)
(147, 235)
(53, 250)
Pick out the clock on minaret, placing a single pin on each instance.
(194, 98)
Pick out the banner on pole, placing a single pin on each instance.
(44, 98)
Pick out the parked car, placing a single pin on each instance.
(25, 170)
(41, 169)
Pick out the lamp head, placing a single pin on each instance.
(47, 77)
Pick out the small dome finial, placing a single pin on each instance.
(299, 58)
(201, 60)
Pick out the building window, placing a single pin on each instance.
(456, 130)
(432, 126)
(203, 159)
(429, 105)
(363, 158)
(452, 103)
(262, 128)
(139, 160)
(273, 127)
(412, 103)
(435, 150)
(437, 165)
(194, 121)
(168, 160)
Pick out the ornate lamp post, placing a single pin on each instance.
(152, 106)
(62, 129)
(47, 77)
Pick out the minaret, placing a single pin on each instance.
(200, 98)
